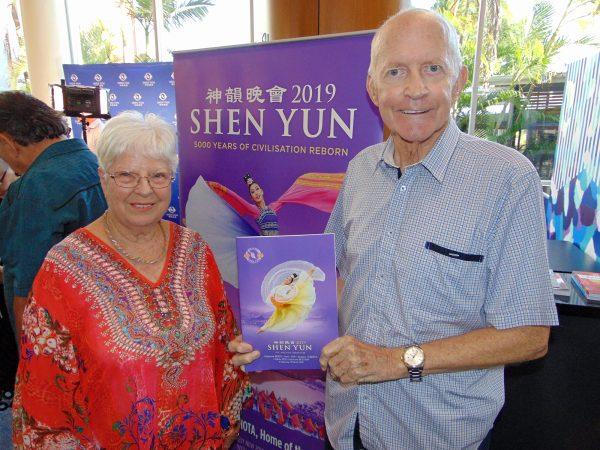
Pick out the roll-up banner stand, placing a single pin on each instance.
(290, 115)
(147, 88)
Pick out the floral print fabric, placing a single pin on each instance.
(112, 360)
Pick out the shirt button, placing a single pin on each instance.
(402, 188)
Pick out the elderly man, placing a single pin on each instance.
(57, 193)
(440, 243)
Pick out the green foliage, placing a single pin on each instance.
(528, 48)
(175, 14)
(464, 15)
(485, 120)
(17, 74)
(143, 58)
(521, 51)
(97, 45)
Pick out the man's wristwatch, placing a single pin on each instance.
(414, 360)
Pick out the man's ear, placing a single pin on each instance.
(6, 139)
(372, 90)
(460, 83)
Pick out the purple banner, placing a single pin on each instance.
(266, 132)
(285, 411)
(143, 87)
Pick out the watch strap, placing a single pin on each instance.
(415, 374)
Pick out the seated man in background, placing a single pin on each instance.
(58, 191)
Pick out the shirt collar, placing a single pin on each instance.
(59, 148)
(438, 158)
(387, 155)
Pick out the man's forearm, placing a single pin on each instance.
(351, 360)
(486, 347)
(18, 308)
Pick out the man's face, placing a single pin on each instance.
(412, 82)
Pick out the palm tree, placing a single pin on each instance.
(97, 45)
(463, 14)
(528, 50)
(175, 13)
(520, 50)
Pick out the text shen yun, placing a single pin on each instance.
(316, 122)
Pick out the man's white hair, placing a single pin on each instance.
(454, 56)
(147, 135)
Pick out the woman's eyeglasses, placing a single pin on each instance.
(158, 180)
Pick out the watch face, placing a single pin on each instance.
(414, 357)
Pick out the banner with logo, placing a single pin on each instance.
(147, 88)
(265, 136)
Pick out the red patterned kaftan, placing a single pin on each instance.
(112, 360)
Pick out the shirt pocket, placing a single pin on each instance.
(456, 276)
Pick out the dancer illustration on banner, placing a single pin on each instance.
(292, 297)
(220, 215)
(267, 220)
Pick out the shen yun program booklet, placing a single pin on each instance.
(288, 299)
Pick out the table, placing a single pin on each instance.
(554, 402)
(566, 257)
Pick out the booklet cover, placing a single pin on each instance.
(588, 283)
(288, 301)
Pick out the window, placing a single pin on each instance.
(13, 62)
(104, 31)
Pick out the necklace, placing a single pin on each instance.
(122, 251)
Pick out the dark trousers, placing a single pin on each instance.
(9, 360)
(358, 445)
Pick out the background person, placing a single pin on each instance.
(58, 191)
(138, 340)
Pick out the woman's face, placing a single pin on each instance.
(256, 193)
(142, 206)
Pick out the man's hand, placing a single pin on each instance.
(351, 361)
(244, 353)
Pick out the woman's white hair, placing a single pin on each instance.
(130, 131)
(455, 58)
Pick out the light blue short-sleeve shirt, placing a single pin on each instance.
(455, 244)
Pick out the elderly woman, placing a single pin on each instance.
(125, 334)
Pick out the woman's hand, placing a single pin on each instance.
(243, 352)
(230, 437)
